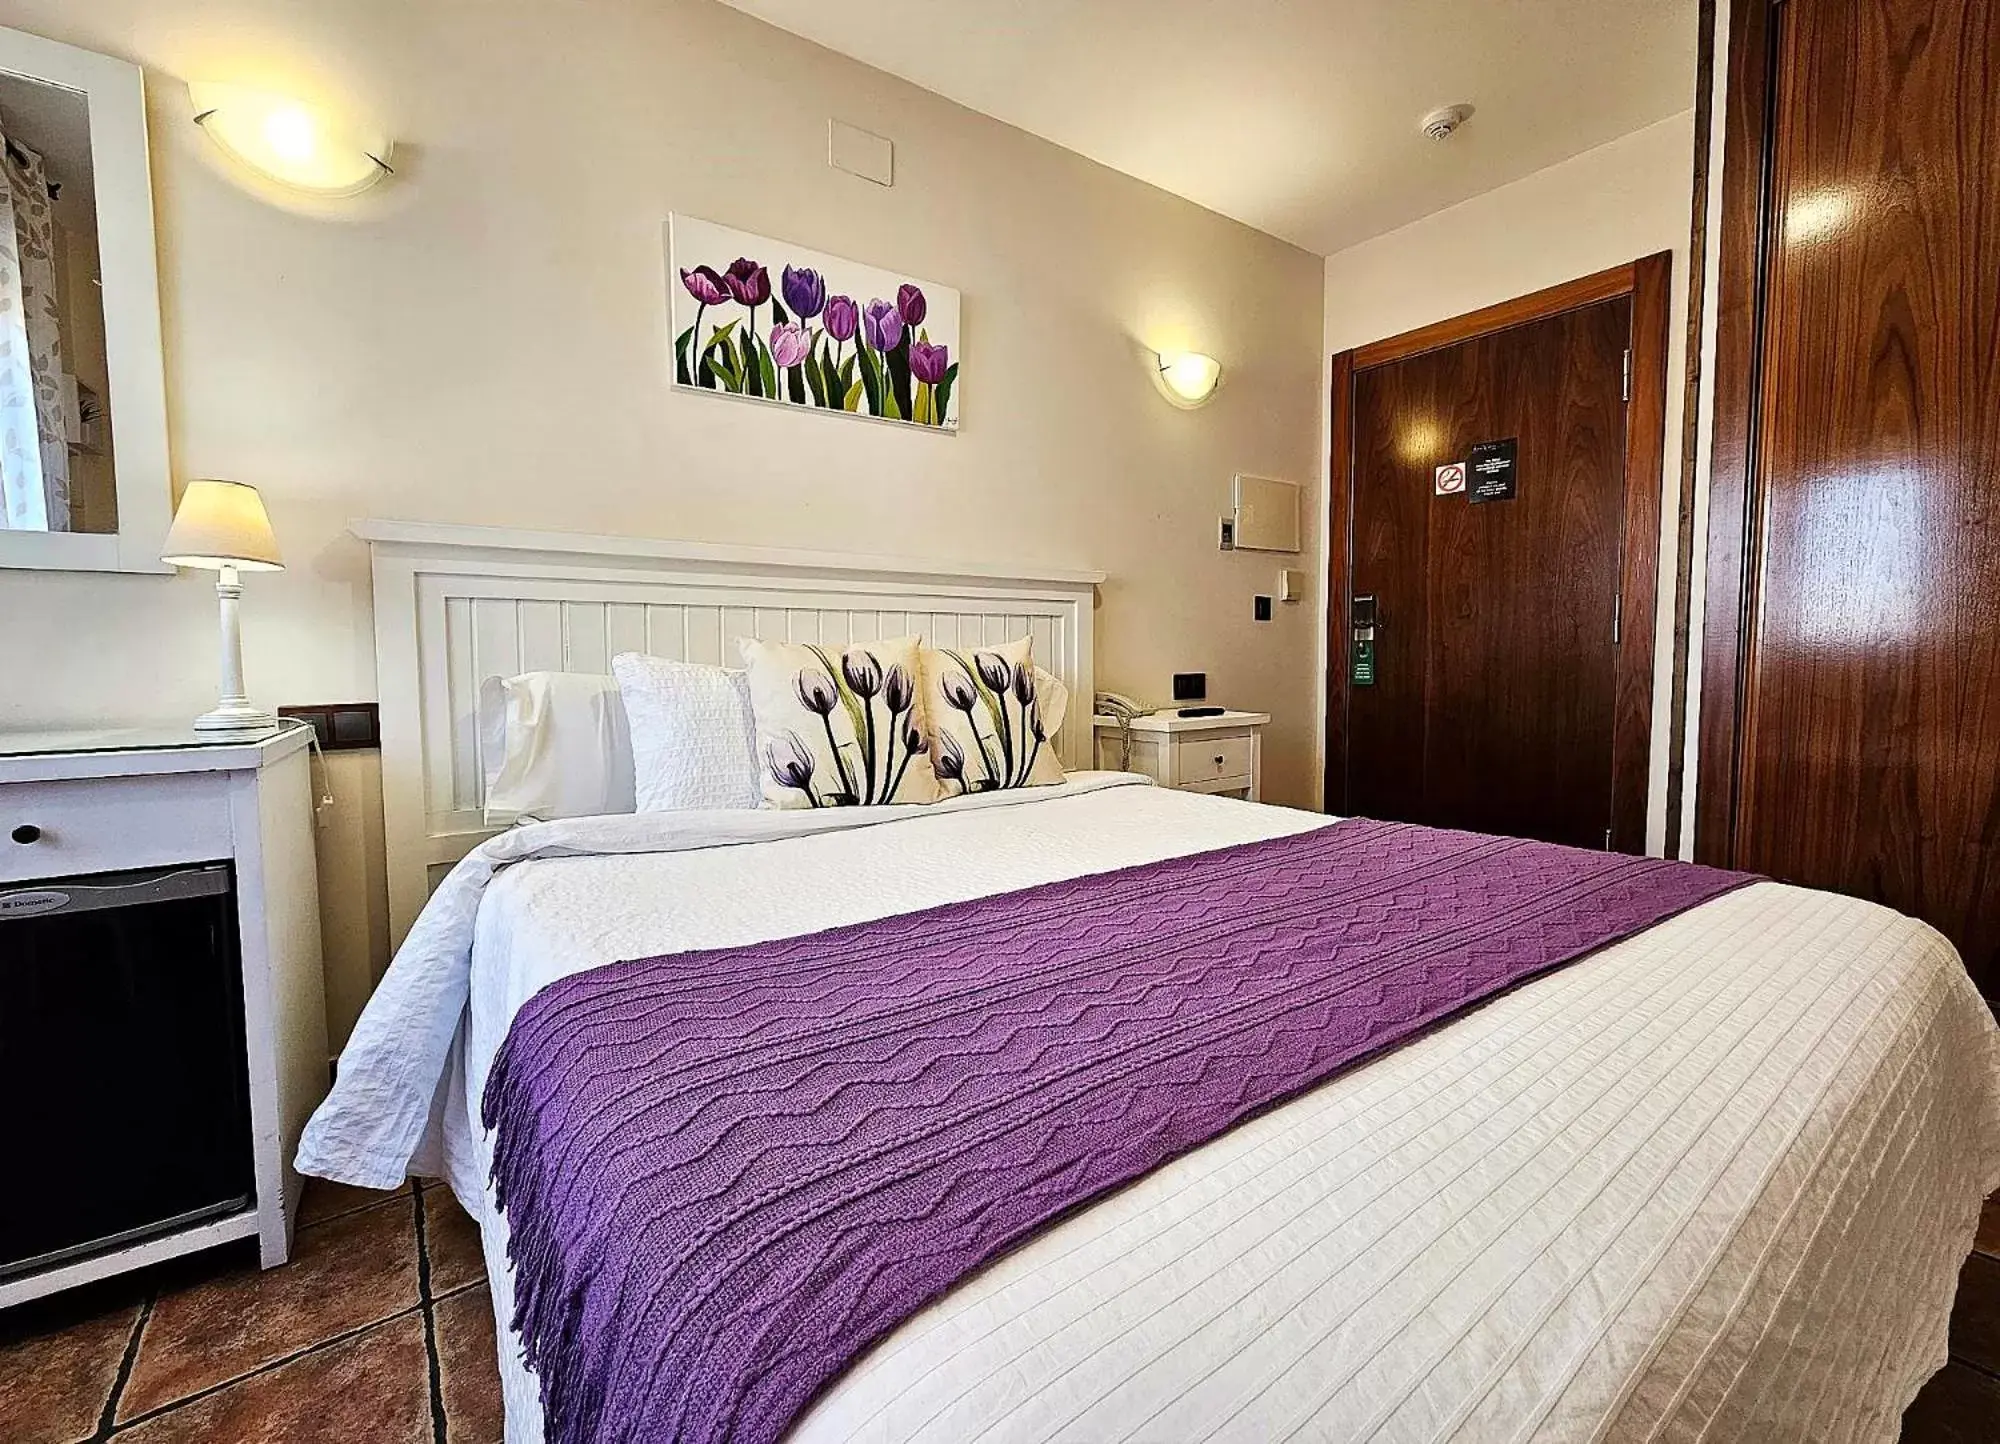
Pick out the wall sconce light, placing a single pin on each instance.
(292, 143)
(1189, 379)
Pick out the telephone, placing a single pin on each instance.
(1124, 709)
(1117, 704)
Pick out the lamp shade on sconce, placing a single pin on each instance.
(290, 142)
(1190, 378)
(222, 524)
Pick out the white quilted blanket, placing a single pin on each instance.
(1713, 1182)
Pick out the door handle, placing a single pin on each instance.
(1362, 620)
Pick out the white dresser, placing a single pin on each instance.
(1223, 754)
(225, 823)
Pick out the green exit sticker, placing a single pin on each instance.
(1362, 673)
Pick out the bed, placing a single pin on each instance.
(1714, 1180)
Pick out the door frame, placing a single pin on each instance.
(1648, 281)
(1730, 568)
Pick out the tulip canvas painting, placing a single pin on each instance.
(770, 321)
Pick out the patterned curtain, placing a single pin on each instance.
(34, 455)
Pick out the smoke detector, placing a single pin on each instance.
(1440, 123)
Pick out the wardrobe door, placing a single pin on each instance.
(1867, 726)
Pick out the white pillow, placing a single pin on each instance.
(555, 744)
(1053, 697)
(693, 740)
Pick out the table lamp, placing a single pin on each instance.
(221, 526)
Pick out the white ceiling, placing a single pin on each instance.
(1298, 117)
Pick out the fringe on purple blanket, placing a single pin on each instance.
(727, 1173)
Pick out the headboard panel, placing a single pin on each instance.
(457, 604)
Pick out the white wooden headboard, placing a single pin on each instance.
(457, 604)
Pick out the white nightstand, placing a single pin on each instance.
(161, 884)
(1222, 754)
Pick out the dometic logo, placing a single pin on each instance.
(1451, 478)
(28, 904)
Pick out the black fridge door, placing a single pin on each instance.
(123, 1097)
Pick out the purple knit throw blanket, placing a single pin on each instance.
(727, 1173)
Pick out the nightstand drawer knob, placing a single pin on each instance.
(26, 833)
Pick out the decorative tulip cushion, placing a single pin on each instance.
(988, 710)
(839, 727)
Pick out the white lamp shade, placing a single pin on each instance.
(222, 524)
(294, 144)
(1190, 377)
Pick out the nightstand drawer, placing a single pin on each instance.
(1211, 757)
(62, 829)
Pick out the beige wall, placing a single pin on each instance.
(1621, 201)
(482, 340)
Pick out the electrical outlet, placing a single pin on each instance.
(1262, 611)
(342, 726)
(1190, 686)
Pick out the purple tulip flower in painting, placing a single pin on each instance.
(928, 363)
(748, 282)
(705, 285)
(883, 325)
(843, 318)
(804, 290)
(709, 289)
(839, 336)
(789, 344)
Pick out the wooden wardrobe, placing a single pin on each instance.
(1850, 677)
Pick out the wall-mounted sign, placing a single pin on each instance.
(1451, 478)
(1491, 464)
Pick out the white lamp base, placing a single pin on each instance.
(236, 717)
(234, 713)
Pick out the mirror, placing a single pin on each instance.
(83, 474)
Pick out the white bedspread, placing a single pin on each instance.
(1715, 1181)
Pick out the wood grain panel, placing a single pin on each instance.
(1399, 434)
(1732, 519)
(1639, 552)
(1537, 305)
(1870, 727)
(1691, 406)
(1494, 706)
(1333, 761)
(1438, 390)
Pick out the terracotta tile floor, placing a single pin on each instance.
(379, 1329)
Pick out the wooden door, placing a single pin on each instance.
(1851, 695)
(1496, 698)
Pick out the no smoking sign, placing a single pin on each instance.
(1451, 478)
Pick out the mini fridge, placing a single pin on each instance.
(124, 1100)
